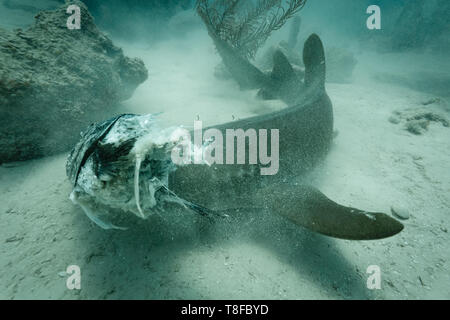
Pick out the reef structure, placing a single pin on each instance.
(54, 81)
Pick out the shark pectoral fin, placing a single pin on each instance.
(309, 208)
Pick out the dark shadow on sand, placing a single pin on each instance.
(143, 262)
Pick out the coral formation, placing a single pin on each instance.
(54, 81)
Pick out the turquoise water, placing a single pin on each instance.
(389, 91)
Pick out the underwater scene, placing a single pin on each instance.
(224, 149)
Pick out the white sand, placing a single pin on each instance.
(373, 164)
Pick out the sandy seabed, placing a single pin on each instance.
(373, 165)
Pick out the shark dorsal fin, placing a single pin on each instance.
(282, 68)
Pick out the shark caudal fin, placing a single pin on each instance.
(314, 60)
(308, 207)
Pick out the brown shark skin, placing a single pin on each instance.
(305, 137)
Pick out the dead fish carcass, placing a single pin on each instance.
(123, 165)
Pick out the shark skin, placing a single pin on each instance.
(306, 133)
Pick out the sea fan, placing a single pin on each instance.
(245, 25)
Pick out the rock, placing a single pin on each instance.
(417, 126)
(55, 81)
(400, 212)
(418, 120)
